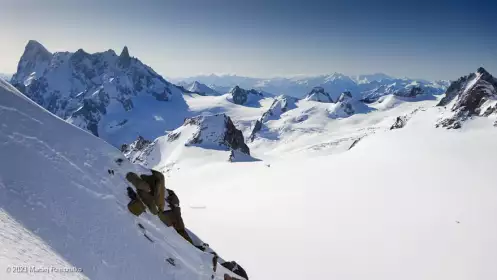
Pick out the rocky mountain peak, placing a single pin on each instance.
(213, 129)
(241, 96)
(320, 95)
(35, 49)
(280, 105)
(200, 88)
(79, 87)
(218, 129)
(137, 150)
(482, 71)
(124, 58)
(472, 95)
(235, 89)
(33, 62)
(124, 53)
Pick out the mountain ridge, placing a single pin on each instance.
(102, 92)
(374, 85)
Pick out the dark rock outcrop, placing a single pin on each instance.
(472, 95)
(410, 92)
(255, 130)
(138, 150)
(124, 58)
(241, 96)
(400, 122)
(234, 137)
(218, 129)
(235, 268)
(320, 95)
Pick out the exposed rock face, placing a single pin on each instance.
(400, 122)
(318, 94)
(79, 87)
(472, 95)
(138, 150)
(413, 92)
(241, 96)
(234, 137)
(257, 127)
(235, 268)
(124, 58)
(217, 129)
(280, 105)
(344, 106)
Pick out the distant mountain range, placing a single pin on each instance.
(369, 87)
(118, 98)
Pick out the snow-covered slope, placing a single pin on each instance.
(200, 140)
(200, 88)
(347, 105)
(388, 206)
(61, 209)
(360, 196)
(349, 198)
(116, 97)
(280, 105)
(392, 207)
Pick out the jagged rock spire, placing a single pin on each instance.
(320, 95)
(125, 53)
(481, 70)
(124, 58)
(35, 50)
(34, 54)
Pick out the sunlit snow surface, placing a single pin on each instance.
(411, 203)
(417, 203)
(60, 207)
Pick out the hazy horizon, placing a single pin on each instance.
(424, 39)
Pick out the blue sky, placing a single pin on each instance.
(419, 39)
